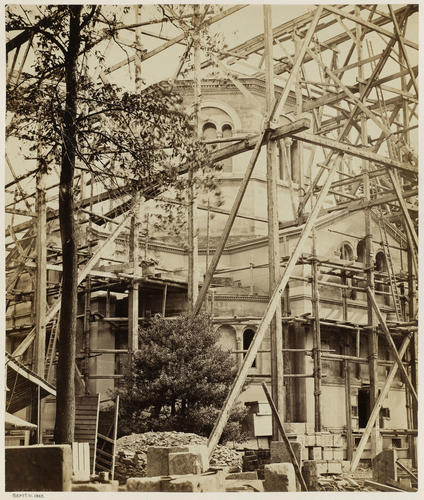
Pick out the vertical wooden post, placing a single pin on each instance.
(287, 359)
(316, 337)
(369, 262)
(165, 291)
(133, 292)
(192, 223)
(41, 273)
(297, 146)
(86, 331)
(348, 405)
(134, 243)
(277, 373)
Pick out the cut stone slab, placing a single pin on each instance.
(315, 453)
(252, 476)
(280, 453)
(337, 440)
(310, 440)
(384, 466)
(327, 454)
(144, 483)
(110, 486)
(209, 482)
(310, 474)
(324, 439)
(38, 468)
(184, 463)
(345, 465)
(246, 486)
(157, 459)
(334, 467)
(202, 451)
(279, 477)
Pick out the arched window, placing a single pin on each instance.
(381, 267)
(360, 251)
(380, 262)
(346, 252)
(247, 340)
(227, 130)
(209, 131)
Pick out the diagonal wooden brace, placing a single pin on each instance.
(376, 410)
(267, 317)
(392, 344)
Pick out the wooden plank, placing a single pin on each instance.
(358, 152)
(106, 438)
(285, 438)
(404, 468)
(267, 317)
(104, 453)
(380, 486)
(367, 24)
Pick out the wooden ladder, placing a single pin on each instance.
(390, 269)
(51, 349)
(106, 443)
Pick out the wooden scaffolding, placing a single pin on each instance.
(313, 69)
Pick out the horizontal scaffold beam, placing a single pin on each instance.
(359, 152)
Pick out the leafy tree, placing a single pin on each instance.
(130, 141)
(178, 379)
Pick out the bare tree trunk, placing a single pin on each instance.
(65, 400)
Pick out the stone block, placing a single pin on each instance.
(315, 453)
(253, 475)
(310, 475)
(338, 454)
(294, 428)
(384, 466)
(249, 485)
(110, 486)
(280, 453)
(309, 428)
(199, 483)
(324, 439)
(405, 483)
(279, 477)
(202, 451)
(184, 462)
(327, 454)
(38, 468)
(337, 440)
(310, 440)
(345, 465)
(157, 462)
(334, 467)
(144, 483)
(322, 466)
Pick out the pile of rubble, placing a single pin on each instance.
(131, 452)
(340, 483)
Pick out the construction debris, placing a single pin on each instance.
(132, 452)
